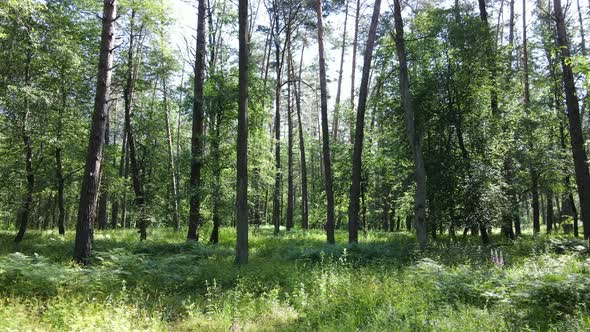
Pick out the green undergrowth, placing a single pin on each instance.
(294, 282)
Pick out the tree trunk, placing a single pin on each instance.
(490, 57)
(511, 33)
(197, 129)
(304, 194)
(25, 210)
(118, 201)
(290, 191)
(340, 72)
(103, 193)
(242, 144)
(124, 221)
(549, 217)
(353, 73)
(385, 213)
(533, 173)
(134, 165)
(90, 180)
(535, 202)
(325, 131)
(575, 124)
(569, 199)
(355, 188)
(178, 125)
(510, 217)
(59, 178)
(582, 35)
(412, 133)
(276, 206)
(214, 238)
(171, 169)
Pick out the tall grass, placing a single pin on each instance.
(294, 282)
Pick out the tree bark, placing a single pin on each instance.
(276, 206)
(510, 217)
(304, 193)
(575, 124)
(90, 180)
(103, 189)
(197, 129)
(290, 191)
(242, 143)
(171, 168)
(336, 118)
(490, 57)
(353, 73)
(549, 217)
(355, 188)
(214, 238)
(535, 202)
(569, 197)
(25, 209)
(118, 201)
(582, 35)
(325, 131)
(59, 178)
(533, 173)
(412, 132)
(128, 95)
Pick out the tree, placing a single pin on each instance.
(357, 18)
(329, 226)
(91, 177)
(340, 72)
(23, 213)
(290, 190)
(197, 129)
(575, 124)
(532, 171)
(104, 185)
(242, 141)
(276, 206)
(128, 97)
(412, 133)
(304, 192)
(355, 188)
(171, 168)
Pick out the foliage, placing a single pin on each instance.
(294, 282)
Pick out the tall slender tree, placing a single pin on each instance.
(329, 226)
(413, 135)
(242, 140)
(90, 180)
(304, 193)
(25, 209)
(276, 206)
(128, 97)
(336, 118)
(171, 168)
(357, 18)
(59, 176)
(575, 123)
(102, 217)
(197, 128)
(532, 171)
(355, 188)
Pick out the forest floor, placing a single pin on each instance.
(294, 282)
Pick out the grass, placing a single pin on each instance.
(294, 282)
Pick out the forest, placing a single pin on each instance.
(294, 165)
